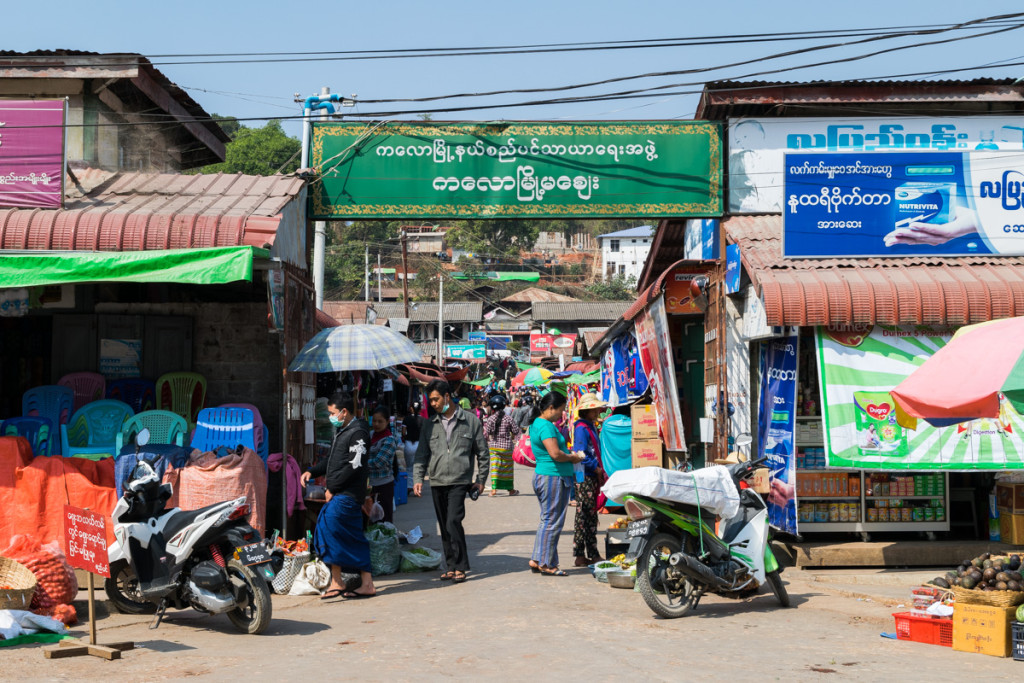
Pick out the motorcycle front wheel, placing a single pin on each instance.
(123, 590)
(778, 588)
(651, 577)
(255, 616)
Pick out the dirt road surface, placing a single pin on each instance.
(507, 623)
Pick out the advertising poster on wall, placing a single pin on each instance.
(757, 146)
(777, 428)
(859, 365)
(679, 296)
(656, 355)
(32, 153)
(622, 374)
(920, 204)
(552, 344)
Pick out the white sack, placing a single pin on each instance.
(16, 622)
(711, 487)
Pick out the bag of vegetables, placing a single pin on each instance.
(420, 560)
(57, 586)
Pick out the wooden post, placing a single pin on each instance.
(92, 610)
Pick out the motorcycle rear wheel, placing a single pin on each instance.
(254, 618)
(650, 566)
(775, 580)
(122, 589)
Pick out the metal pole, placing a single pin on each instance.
(366, 270)
(380, 286)
(319, 227)
(440, 320)
(405, 275)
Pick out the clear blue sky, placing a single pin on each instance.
(253, 90)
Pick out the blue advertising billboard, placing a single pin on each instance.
(777, 426)
(903, 204)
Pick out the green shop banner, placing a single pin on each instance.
(513, 170)
(857, 367)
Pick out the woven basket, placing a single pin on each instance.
(22, 584)
(991, 598)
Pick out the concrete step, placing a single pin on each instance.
(894, 553)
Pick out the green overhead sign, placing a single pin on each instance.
(512, 170)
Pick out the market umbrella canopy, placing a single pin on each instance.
(355, 347)
(532, 377)
(965, 378)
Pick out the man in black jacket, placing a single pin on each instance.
(339, 539)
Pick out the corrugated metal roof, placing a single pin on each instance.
(954, 290)
(535, 294)
(640, 231)
(347, 312)
(426, 311)
(579, 311)
(667, 248)
(143, 211)
(723, 99)
(592, 335)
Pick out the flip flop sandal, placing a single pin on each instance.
(332, 594)
(459, 577)
(447, 576)
(513, 492)
(556, 572)
(352, 595)
(535, 569)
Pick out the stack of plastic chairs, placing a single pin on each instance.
(139, 393)
(164, 427)
(224, 428)
(183, 393)
(55, 403)
(260, 431)
(37, 430)
(87, 386)
(93, 430)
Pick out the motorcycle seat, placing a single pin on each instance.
(182, 519)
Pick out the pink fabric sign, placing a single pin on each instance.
(31, 153)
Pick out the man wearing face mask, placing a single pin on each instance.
(452, 446)
(339, 539)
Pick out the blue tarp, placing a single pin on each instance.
(617, 445)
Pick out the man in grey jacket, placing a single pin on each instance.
(449, 443)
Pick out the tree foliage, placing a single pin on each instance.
(256, 151)
(617, 288)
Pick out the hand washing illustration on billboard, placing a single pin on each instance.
(904, 204)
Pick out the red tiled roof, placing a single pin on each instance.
(324, 321)
(911, 290)
(144, 211)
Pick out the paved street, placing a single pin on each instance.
(506, 623)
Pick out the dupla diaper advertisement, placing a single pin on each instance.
(857, 367)
(903, 204)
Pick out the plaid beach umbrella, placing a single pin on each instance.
(355, 347)
(965, 378)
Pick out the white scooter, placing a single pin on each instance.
(209, 559)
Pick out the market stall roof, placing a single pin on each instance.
(908, 290)
(128, 212)
(426, 311)
(585, 311)
(532, 295)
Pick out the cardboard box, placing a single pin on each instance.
(984, 629)
(760, 482)
(647, 452)
(673, 460)
(1011, 528)
(644, 421)
(1010, 497)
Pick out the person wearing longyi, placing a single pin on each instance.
(339, 539)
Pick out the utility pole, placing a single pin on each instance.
(440, 319)
(380, 286)
(366, 270)
(405, 275)
(319, 227)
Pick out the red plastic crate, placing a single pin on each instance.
(924, 629)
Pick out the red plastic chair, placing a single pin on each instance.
(87, 387)
(183, 393)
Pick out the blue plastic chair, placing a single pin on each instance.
(55, 403)
(37, 430)
(164, 427)
(140, 394)
(93, 430)
(224, 427)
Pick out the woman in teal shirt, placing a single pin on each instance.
(552, 480)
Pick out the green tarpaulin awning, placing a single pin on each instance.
(213, 266)
(483, 382)
(498, 277)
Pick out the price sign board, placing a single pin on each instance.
(85, 539)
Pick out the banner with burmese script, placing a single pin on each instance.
(515, 170)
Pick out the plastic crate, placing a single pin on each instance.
(924, 629)
(1018, 640)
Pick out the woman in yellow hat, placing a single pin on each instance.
(584, 545)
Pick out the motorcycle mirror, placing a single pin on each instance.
(743, 440)
(143, 437)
